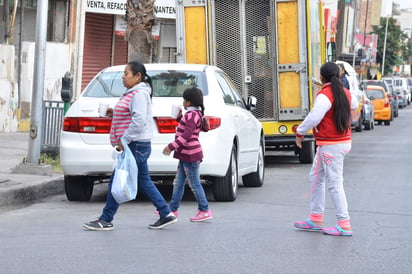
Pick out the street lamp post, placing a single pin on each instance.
(384, 46)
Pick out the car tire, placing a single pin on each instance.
(78, 188)
(387, 123)
(307, 152)
(358, 128)
(225, 188)
(368, 125)
(256, 179)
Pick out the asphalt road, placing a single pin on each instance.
(254, 234)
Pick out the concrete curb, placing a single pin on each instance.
(19, 195)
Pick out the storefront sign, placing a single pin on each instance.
(163, 8)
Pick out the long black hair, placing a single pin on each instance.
(137, 67)
(195, 96)
(341, 106)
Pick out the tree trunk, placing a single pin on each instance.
(140, 19)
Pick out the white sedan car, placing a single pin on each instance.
(233, 147)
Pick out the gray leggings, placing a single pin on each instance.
(327, 169)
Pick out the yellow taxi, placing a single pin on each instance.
(381, 103)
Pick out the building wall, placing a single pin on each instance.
(8, 90)
(57, 64)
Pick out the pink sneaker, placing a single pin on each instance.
(174, 213)
(202, 216)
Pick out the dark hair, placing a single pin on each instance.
(342, 66)
(341, 106)
(137, 67)
(195, 96)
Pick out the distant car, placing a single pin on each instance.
(233, 147)
(401, 89)
(393, 95)
(355, 90)
(368, 113)
(381, 104)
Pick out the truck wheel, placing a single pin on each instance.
(78, 188)
(256, 179)
(225, 188)
(307, 152)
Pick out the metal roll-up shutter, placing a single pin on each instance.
(98, 37)
(120, 51)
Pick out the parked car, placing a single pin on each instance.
(355, 90)
(400, 88)
(401, 84)
(381, 104)
(233, 147)
(393, 95)
(410, 85)
(368, 112)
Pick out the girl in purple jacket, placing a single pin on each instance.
(188, 151)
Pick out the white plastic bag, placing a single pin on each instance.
(124, 186)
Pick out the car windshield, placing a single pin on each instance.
(165, 83)
(375, 94)
(172, 83)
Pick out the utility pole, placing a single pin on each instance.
(38, 82)
(339, 27)
(384, 47)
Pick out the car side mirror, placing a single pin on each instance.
(251, 103)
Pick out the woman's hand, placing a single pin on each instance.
(167, 151)
(119, 146)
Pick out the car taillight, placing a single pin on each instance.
(100, 125)
(166, 124)
(214, 122)
(169, 124)
(386, 104)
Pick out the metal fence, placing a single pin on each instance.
(53, 115)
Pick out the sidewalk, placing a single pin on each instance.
(19, 189)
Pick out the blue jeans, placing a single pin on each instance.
(141, 152)
(188, 172)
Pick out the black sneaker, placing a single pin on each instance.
(98, 225)
(163, 222)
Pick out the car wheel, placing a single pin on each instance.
(256, 179)
(225, 188)
(307, 152)
(78, 188)
(387, 123)
(358, 128)
(368, 125)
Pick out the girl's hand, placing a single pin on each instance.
(109, 112)
(166, 151)
(299, 141)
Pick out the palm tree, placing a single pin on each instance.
(140, 19)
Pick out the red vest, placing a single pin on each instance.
(325, 133)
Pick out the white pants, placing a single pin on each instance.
(327, 169)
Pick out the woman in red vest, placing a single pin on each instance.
(330, 122)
